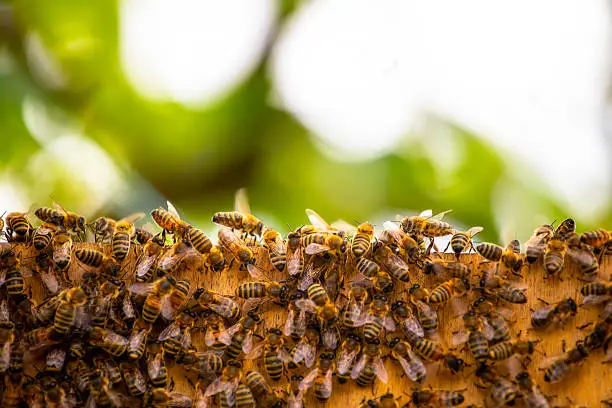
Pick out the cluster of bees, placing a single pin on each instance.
(117, 315)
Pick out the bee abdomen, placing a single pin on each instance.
(121, 245)
(490, 251)
(501, 351)
(251, 290)
(361, 244)
(274, 366)
(479, 346)
(367, 267)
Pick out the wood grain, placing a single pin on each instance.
(586, 385)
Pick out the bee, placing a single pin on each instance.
(55, 359)
(305, 350)
(236, 246)
(427, 224)
(227, 383)
(495, 324)
(216, 336)
(319, 302)
(123, 234)
(366, 267)
(532, 394)
(405, 318)
(597, 238)
(317, 265)
(319, 225)
(493, 284)
(510, 256)
(536, 244)
(596, 292)
(177, 336)
(438, 398)
(444, 292)
(427, 349)
(566, 228)
(204, 246)
(42, 236)
(554, 256)
(561, 366)
(395, 265)
(67, 312)
(506, 349)
(170, 221)
(277, 249)
(96, 259)
(18, 228)
(221, 305)
(370, 365)
(44, 268)
(67, 220)
(157, 370)
(408, 248)
(62, 250)
(110, 368)
(134, 380)
(352, 315)
(320, 378)
(345, 359)
(241, 219)
(327, 243)
(274, 353)
(450, 269)
(262, 291)
(263, 393)
(294, 257)
(151, 252)
(15, 282)
(502, 392)
(111, 342)
(362, 239)
(156, 297)
(477, 339)
(137, 342)
(462, 240)
(411, 364)
(241, 334)
(181, 254)
(295, 324)
(387, 400)
(103, 228)
(582, 255)
(550, 314)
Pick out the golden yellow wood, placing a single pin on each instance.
(586, 386)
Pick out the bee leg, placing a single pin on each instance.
(543, 301)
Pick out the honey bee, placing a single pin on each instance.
(437, 398)
(277, 249)
(502, 392)
(319, 225)
(562, 365)
(62, 250)
(362, 239)
(510, 256)
(110, 368)
(596, 292)
(554, 256)
(241, 334)
(261, 291)
(550, 314)
(352, 315)
(294, 258)
(597, 238)
(274, 353)
(305, 350)
(111, 342)
(263, 393)
(377, 318)
(320, 378)
(327, 243)
(66, 220)
(405, 318)
(345, 359)
(18, 228)
(477, 340)
(317, 265)
(411, 364)
(532, 394)
(408, 247)
(156, 297)
(170, 221)
(203, 244)
(505, 350)
(150, 254)
(42, 236)
(227, 383)
(123, 234)
(462, 240)
(427, 224)
(44, 268)
(444, 292)
(449, 269)
(536, 244)
(395, 265)
(177, 336)
(221, 305)
(236, 246)
(134, 379)
(295, 324)
(496, 286)
(67, 312)
(241, 219)
(370, 365)
(319, 302)
(103, 228)
(137, 342)
(582, 256)
(96, 259)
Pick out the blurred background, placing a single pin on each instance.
(360, 109)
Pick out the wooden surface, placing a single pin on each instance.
(586, 386)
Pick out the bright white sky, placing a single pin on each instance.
(529, 76)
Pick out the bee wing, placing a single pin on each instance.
(91, 402)
(289, 323)
(2, 276)
(81, 317)
(141, 288)
(294, 261)
(209, 338)
(216, 387)
(345, 360)
(489, 331)
(219, 309)
(412, 324)
(5, 355)
(300, 324)
(344, 226)
(172, 210)
(167, 310)
(144, 264)
(247, 344)
(474, 230)
(440, 216)
(326, 387)
(426, 213)
(358, 366)
(255, 352)
(307, 305)
(309, 355)
(307, 382)
(26, 271)
(389, 324)
(4, 311)
(313, 249)
(543, 312)
(595, 299)
(254, 303)
(317, 220)
(380, 370)
(172, 330)
(257, 273)
(329, 337)
(278, 246)
(127, 307)
(132, 218)
(234, 329)
(50, 280)
(241, 201)
(459, 306)
(154, 366)
(460, 337)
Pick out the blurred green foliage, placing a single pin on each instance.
(198, 158)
